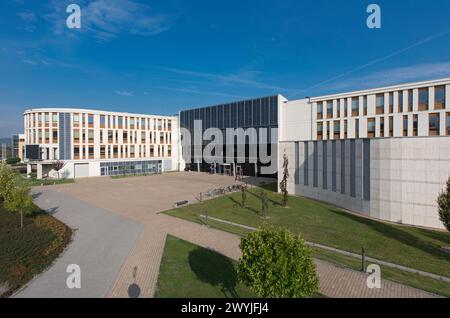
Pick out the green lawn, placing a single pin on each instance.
(328, 225)
(28, 251)
(190, 271)
(31, 182)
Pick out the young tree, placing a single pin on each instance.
(283, 183)
(6, 181)
(57, 166)
(244, 195)
(444, 206)
(19, 201)
(264, 204)
(277, 264)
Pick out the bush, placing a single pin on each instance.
(7, 181)
(277, 264)
(12, 161)
(444, 206)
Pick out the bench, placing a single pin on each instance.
(181, 204)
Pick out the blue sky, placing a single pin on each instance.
(162, 56)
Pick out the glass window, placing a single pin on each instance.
(434, 124)
(371, 127)
(410, 100)
(330, 109)
(365, 105)
(319, 110)
(355, 106)
(380, 104)
(415, 124)
(439, 99)
(423, 99)
(405, 125)
(382, 126)
(447, 122)
(102, 121)
(120, 121)
(400, 102)
(319, 131)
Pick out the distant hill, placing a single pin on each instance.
(6, 141)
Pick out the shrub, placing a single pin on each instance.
(276, 264)
(7, 181)
(12, 161)
(444, 206)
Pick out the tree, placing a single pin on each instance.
(244, 195)
(19, 201)
(264, 204)
(7, 181)
(277, 264)
(443, 202)
(57, 166)
(283, 183)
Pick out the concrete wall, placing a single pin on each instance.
(393, 179)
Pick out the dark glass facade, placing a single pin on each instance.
(255, 113)
(130, 167)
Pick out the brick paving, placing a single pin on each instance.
(143, 198)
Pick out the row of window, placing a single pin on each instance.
(385, 125)
(111, 136)
(41, 120)
(122, 151)
(122, 122)
(325, 108)
(42, 136)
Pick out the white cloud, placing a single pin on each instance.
(29, 18)
(106, 19)
(394, 76)
(125, 93)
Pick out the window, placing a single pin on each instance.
(380, 104)
(371, 128)
(132, 151)
(110, 136)
(159, 124)
(330, 109)
(102, 152)
(405, 125)
(91, 136)
(47, 119)
(391, 103)
(319, 131)
(439, 99)
(447, 123)
(102, 121)
(410, 100)
(47, 136)
(55, 137)
(381, 126)
(76, 136)
(319, 110)
(55, 119)
(415, 124)
(355, 106)
(115, 151)
(337, 129)
(142, 123)
(345, 107)
(345, 129)
(152, 152)
(76, 153)
(142, 137)
(125, 137)
(91, 121)
(365, 105)
(169, 151)
(338, 104)
(423, 99)
(434, 124)
(169, 125)
(120, 122)
(91, 152)
(132, 120)
(161, 138)
(357, 128)
(400, 102)
(391, 126)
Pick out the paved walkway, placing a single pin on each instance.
(141, 200)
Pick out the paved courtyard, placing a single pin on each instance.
(137, 202)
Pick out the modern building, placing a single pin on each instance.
(98, 143)
(383, 152)
(18, 146)
(260, 114)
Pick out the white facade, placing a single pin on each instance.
(384, 153)
(97, 143)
